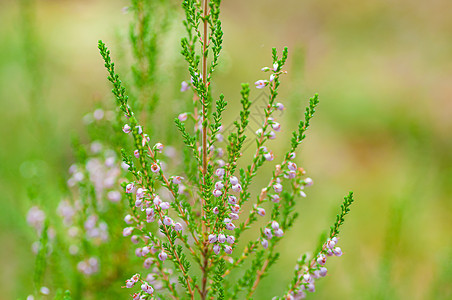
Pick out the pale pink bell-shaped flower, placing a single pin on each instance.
(128, 219)
(221, 238)
(308, 182)
(233, 180)
(155, 168)
(127, 231)
(163, 256)
(129, 188)
(136, 153)
(279, 106)
(216, 211)
(278, 187)
(219, 185)
(321, 260)
(230, 226)
(236, 188)
(219, 172)
(276, 126)
(260, 211)
(260, 84)
(232, 200)
(337, 251)
(275, 198)
(167, 221)
(228, 249)
(275, 225)
(216, 248)
(292, 166)
(269, 156)
(158, 147)
(264, 243)
(184, 86)
(279, 232)
(230, 239)
(268, 233)
(217, 193)
(164, 205)
(178, 226)
(234, 216)
(212, 238)
(126, 128)
(235, 208)
(177, 179)
(182, 117)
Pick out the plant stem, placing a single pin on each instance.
(204, 145)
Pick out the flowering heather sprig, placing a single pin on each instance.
(183, 210)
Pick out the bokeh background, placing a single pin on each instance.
(382, 68)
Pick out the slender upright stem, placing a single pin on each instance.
(204, 142)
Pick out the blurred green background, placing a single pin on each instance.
(383, 70)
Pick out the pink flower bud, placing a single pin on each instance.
(292, 166)
(177, 179)
(272, 77)
(164, 205)
(216, 210)
(272, 135)
(278, 187)
(329, 252)
(155, 168)
(219, 172)
(308, 182)
(265, 69)
(221, 238)
(275, 198)
(129, 188)
(292, 174)
(279, 232)
(302, 194)
(220, 163)
(275, 225)
(268, 233)
(275, 67)
(178, 226)
(167, 221)
(139, 252)
(138, 202)
(157, 200)
(140, 193)
(330, 244)
(236, 188)
(145, 251)
(232, 200)
(128, 219)
(260, 84)
(217, 193)
(129, 283)
(228, 249)
(279, 106)
(230, 239)
(126, 128)
(235, 208)
(136, 153)
(135, 239)
(264, 243)
(149, 211)
(292, 155)
(127, 231)
(233, 180)
(337, 251)
(323, 271)
(216, 248)
(158, 147)
(163, 256)
(230, 226)
(234, 216)
(147, 288)
(269, 156)
(311, 287)
(219, 185)
(139, 129)
(184, 86)
(212, 238)
(276, 126)
(321, 260)
(260, 211)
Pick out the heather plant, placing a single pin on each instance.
(186, 207)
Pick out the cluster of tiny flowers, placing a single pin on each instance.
(269, 233)
(220, 239)
(146, 288)
(89, 266)
(317, 270)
